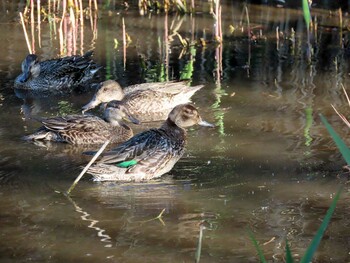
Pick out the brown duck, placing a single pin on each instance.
(87, 129)
(151, 153)
(146, 102)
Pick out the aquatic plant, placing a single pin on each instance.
(344, 150)
(311, 250)
(167, 5)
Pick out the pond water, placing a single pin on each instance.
(268, 165)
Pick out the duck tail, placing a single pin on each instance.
(42, 135)
(185, 96)
(88, 54)
(193, 90)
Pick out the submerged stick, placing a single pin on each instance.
(25, 33)
(199, 245)
(87, 166)
(159, 217)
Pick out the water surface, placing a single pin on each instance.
(269, 165)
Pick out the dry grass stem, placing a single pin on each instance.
(341, 116)
(268, 242)
(39, 21)
(87, 166)
(25, 33)
(346, 94)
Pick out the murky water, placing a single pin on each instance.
(269, 165)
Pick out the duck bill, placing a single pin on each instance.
(206, 124)
(92, 104)
(132, 119)
(24, 77)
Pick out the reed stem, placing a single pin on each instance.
(87, 167)
(25, 33)
(124, 43)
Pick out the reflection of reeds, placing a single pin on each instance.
(166, 46)
(217, 15)
(39, 21)
(167, 5)
(101, 233)
(124, 43)
(71, 20)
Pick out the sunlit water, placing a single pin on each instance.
(269, 165)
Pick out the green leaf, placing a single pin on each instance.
(317, 238)
(306, 11)
(260, 252)
(289, 258)
(338, 141)
(127, 164)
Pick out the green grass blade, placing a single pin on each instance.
(289, 258)
(317, 238)
(260, 252)
(306, 12)
(338, 141)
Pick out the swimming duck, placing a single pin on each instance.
(56, 74)
(87, 129)
(147, 101)
(151, 153)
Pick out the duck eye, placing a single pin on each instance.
(116, 106)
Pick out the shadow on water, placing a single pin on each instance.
(268, 164)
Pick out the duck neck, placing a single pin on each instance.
(115, 123)
(171, 128)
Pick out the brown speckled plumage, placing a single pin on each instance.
(155, 151)
(86, 129)
(148, 101)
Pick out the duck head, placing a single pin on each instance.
(115, 113)
(109, 90)
(30, 69)
(186, 115)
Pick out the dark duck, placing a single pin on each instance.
(60, 74)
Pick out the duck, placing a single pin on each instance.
(147, 102)
(87, 129)
(60, 74)
(151, 153)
